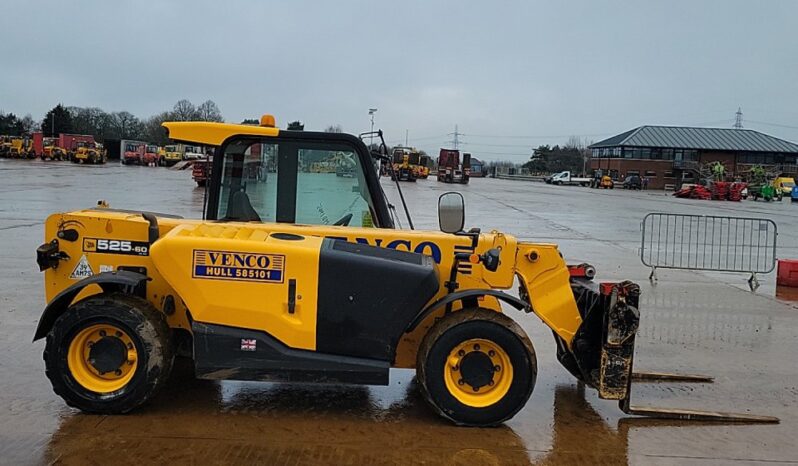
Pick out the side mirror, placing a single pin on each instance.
(451, 212)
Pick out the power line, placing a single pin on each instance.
(430, 137)
(528, 154)
(494, 145)
(538, 136)
(716, 122)
(778, 125)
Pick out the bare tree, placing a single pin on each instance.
(184, 111)
(581, 145)
(125, 125)
(28, 125)
(334, 129)
(152, 130)
(89, 120)
(209, 111)
(575, 142)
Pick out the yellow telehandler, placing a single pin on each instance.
(284, 279)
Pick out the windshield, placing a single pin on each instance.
(317, 183)
(171, 148)
(152, 149)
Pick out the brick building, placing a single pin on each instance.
(671, 155)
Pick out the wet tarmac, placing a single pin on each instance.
(706, 323)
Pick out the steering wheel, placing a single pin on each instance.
(343, 221)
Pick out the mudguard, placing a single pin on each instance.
(466, 295)
(121, 280)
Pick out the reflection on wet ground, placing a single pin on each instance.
(787, 294)
(227, 422)
(224, 423)
(692, 323)
(231, 422)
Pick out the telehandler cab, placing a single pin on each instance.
(284, 280)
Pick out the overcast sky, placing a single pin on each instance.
(511, 74)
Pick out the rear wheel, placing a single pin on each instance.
(476, 367)
(108, 354)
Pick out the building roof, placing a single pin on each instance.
(682, 137)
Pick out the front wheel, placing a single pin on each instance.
(108, 354)
(476, 367)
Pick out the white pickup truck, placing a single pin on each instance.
(566, 178)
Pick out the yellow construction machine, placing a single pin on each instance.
(17, 147)
(51, 151)
(285, 279)
(89, 152)
(170, 155)
(5, 145)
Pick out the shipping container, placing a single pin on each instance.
(70, 141)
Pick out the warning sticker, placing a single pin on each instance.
(82, 270)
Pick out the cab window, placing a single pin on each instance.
(315, 183)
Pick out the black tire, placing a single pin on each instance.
(459, 327)
(148, 331)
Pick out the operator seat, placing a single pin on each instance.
(240, 209)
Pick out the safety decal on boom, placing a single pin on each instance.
(82, 270)
(226, 265)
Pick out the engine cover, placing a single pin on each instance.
(368, 295)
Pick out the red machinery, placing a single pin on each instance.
(133, 153)
(449, 168)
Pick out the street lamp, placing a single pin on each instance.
(372, 111)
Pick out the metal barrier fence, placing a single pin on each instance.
(701, 242)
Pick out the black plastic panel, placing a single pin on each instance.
(229, 353)
(368, 296)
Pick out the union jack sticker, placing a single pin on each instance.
(248, 345)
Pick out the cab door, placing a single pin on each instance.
(307, 178)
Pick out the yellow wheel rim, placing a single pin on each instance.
(102, 358)
(478, 373)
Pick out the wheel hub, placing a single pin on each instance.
(476, 369)
(102, 358)
(478, 372)
(108, 354)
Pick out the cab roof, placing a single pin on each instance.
(213, 134)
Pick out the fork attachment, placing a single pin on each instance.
(602, 352)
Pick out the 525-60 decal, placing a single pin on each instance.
(116, 246)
